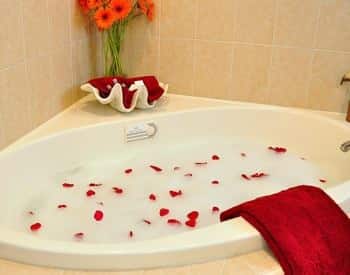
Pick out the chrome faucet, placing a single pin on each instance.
(346, 78)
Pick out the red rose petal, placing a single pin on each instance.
(188, 175)
(243, 154)
(100, 203)
(215, 182)
(131, 234)
(215, 209)
(152, 197)
(259, 175)
(278, 149)
(191, 223)
(175, 193)
(245, 177)
(67, 185)
(98, 216)
(79, 235)
(90, 193)
(201, 163)
(323, 180)
(156, 168)
(117, 190)
(163, 212)
(176, 168)
(95, 184)
(193, 215)
(31, 213)
(174, 222)
(128, 171)
(215, 157)
(146, 221)
(35, 226)
(61, 206)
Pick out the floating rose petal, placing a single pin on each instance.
(146, 221)
(118, 190)
(68, 185)
(163, 212)
(175, 193)
(61, 206)
(245, 177)
(131, 234)
(100, 203)
(90, 193)
(79, 235)
(152, 197)
(215, 182)
(323, 180)
(201, 163)
(35, 226)
(193, 215)
(243, 154)
(188, 175)
(174, 222)
(95, 184)
(259, 175)
(215, 157)
(215, 209)
(191, 223)
(278, 149)
(31, 213)
(176, 168)
(98, 216)
(156, 168)
(128, 171)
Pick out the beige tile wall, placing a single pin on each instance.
(285, 52)
(46, 50)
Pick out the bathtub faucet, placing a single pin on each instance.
(346, 78)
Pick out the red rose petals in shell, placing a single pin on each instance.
(193, 215)
(31, 213)
(95, 184)
(68, 185)
(176, 168)
(174, 222)
(147, 222)
(259, 175)
(201, 163)
(215, 157)
(175, 193)
(191, 223)
(128, 171)
(117, 190)
(90, 193)
(35, 226)
(163, 212)
(60, 206)
(152, 197)
(79, 235)
(98, 215)
(243, 154)
(323, 180)
(215, 182)
(131, 234)
(188, 175)
(245, 177)
(156, 168)
(215, 209)
(278, 149)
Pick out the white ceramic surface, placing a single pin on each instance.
(304, 133)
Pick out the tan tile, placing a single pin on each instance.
(325, 91)
(235, 266)
(71, 272)
(290, 75)
(58, 13)
(40, 82)
(36, 30)
(154, 272)
(213, 62)
(79, 22)
(296, 22)
(176, 65)
(14, 103)
(261, 262)
(177, 271)
(177, 18)
(215, 20)
(11, 33)
(208, 268)
(61, 95)
(334, 32)
(13, 268)
(250, 73)
(254, 22)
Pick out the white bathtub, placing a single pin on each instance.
(313, 136)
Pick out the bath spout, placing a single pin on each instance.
(346, 78)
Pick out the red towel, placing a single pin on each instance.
(305, 229)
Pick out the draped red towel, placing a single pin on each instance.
(306, 230)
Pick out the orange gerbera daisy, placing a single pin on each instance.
(104, 18)
(121, 8)
(147, 7)
(84, 5)
(92, 4)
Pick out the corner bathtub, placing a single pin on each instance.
(304, 133)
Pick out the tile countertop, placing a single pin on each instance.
(86, 112)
